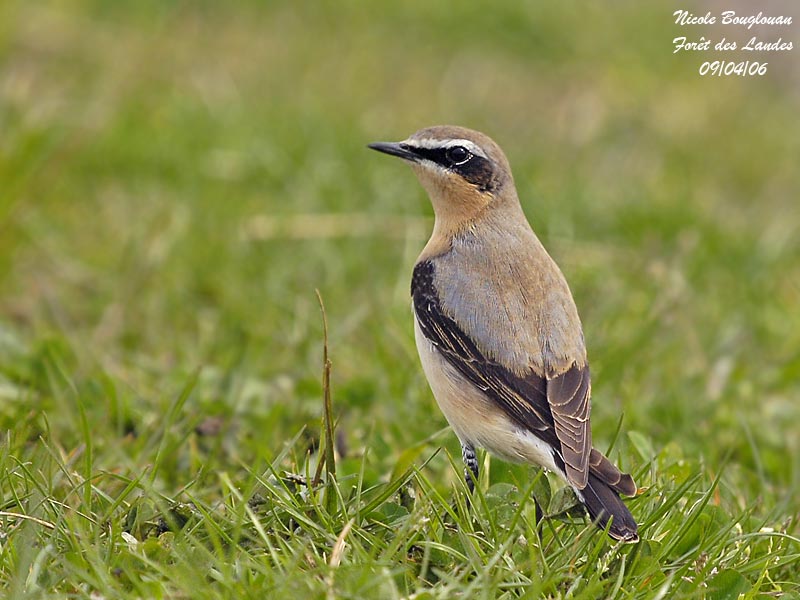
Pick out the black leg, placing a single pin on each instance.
(471, 462)
(538, 516)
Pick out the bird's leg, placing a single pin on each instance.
(538, 516)
(471, 462)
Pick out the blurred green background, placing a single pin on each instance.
(177, 178)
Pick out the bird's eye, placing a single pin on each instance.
(458, 155)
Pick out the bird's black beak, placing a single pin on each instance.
(400, 149)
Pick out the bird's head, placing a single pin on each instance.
(462, 170)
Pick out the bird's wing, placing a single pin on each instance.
(556, 409)
(568, 397)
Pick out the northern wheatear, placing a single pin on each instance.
(496, 327)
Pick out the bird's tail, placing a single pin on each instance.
(601, 497)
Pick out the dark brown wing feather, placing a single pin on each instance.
(605, 470)
(568, 397)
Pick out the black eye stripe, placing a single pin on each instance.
(476, 170)
(437, 155)
(447, 157)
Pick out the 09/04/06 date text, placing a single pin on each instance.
(726, 68)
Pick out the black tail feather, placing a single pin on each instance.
(603, 505)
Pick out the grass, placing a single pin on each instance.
(176, 180)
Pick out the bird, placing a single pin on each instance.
(496, 328)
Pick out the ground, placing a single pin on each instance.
(178, 178)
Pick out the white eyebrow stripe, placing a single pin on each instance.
(432, 143)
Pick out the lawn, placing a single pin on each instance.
(179, 179)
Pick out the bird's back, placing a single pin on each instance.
(496, 276)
